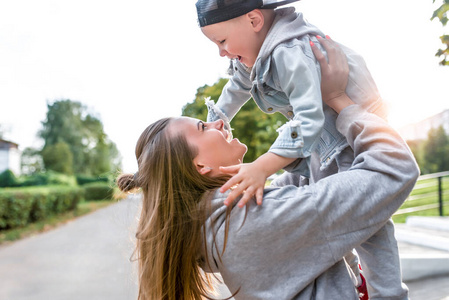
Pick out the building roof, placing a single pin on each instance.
(4, 144)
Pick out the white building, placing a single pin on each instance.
(419, 131)
(9, 157)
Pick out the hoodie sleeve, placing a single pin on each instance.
(302, 232)
(297, 76)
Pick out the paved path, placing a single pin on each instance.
(89, 259)
(85, 259)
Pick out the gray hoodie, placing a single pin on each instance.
(292, 246)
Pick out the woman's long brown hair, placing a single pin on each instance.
(169, 234)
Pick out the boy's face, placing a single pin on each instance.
(235, 38)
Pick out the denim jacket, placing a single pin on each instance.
(286, 78)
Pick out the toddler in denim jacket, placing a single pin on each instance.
(272, 61)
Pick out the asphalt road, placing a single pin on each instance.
(89, 258)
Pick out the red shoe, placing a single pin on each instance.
(363, 291)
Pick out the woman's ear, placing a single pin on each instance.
(257, 19)
(203, 170)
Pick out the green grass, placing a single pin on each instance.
(54, 221)
(425, 193)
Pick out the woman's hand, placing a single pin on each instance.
(334, 74)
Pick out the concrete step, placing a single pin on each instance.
(423, 247)
(430, 232)
(435, 223)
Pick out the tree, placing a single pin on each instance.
(252, 126)
(58, 158)
(31, 161)
(441, 14)
(435, 151)
(71, 123)
(417, 148)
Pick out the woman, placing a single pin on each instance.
(292, 246)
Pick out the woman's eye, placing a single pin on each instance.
(203, 126)
(222, 41)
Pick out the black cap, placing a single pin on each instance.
(216, 11)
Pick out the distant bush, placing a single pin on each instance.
(47, 178)
(20, 206)
(55, 178)
(98, 191)
(8, 179)
(82, 179)
(34, 180)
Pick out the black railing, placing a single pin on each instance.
(427, 188)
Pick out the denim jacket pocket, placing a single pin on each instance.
(331, 141)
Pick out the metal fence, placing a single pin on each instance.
(429, 188)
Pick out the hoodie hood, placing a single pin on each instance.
(287, 24)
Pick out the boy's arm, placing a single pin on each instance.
(235, 94)
(295, 73)
(250, 178)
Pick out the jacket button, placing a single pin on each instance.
(294, 134)
(235, 68)
(270, 109)
(290, 113)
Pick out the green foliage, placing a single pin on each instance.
(31, 161)
(417, 148)
(256, 129)
(82, 180)
(19, 207)
(252, 126)
(36, 179)
(197, 108)
(47, 178)
(58, 157)
(441, 14)
(8, 179)
(424, 193)
(55, 178)
(436, 149)
(71, 123)
(431, 154)
(98, 191)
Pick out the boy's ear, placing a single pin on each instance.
(257, 19)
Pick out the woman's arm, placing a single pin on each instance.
(305, 231)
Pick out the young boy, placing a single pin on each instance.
(272, 61)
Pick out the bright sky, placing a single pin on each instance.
(135, 61)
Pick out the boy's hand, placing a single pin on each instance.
(249, 180)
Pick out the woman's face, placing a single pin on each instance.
(214, 143)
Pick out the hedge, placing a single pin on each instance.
(19, 207)
(82, 179)
(98, 191)
(7, 179)
(47, 178)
